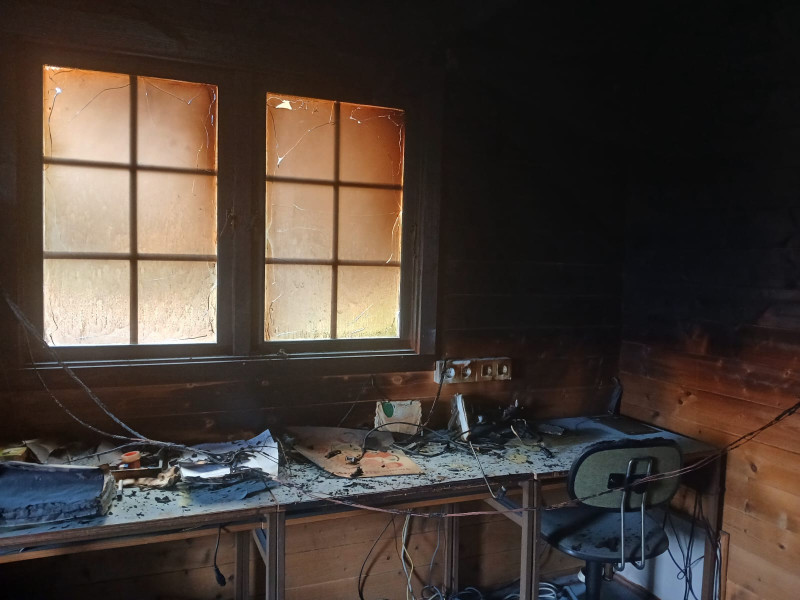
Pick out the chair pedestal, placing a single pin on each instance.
(593, 574)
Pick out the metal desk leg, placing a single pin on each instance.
(713, 512)
(531, 526)
(271, 546)
(242, 577)
(451, 551)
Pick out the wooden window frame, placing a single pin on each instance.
(241, 186)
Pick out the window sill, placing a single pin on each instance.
(121, 373)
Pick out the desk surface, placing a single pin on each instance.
(306, 487)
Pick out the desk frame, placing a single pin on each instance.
(266, 523)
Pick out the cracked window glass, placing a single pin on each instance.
(369, 224)
(85, 209)
(177, 301)
(372, 142)
(189, 226)
(86, 115)
(177, 125)
(130, 217)
(300, 137)
(298, 302)
(299, 221)
(86, 302)
(334, 206)
(368, 302)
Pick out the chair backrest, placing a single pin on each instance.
(605, 465)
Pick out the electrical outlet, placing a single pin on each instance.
(467, 370)
(502, 369)
(458, 371)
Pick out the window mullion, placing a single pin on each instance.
(134, 267)
(241, 186)
(335, 250)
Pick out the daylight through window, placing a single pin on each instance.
(334, 200)
(130, 209)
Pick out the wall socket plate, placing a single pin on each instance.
(466, 370)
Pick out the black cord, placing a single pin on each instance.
(366, 558)
(440, 435)
(438, 391)
(217, 573)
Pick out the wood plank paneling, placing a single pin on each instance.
(711, 327)
(711, 334)
(531, 243)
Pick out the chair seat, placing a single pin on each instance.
(594, 535)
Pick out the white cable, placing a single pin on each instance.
(404, 552)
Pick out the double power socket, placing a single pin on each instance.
(466, 370)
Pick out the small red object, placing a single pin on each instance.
(132, 459)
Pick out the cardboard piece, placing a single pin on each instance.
(329, 447)
(395, 416)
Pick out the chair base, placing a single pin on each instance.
(593, 573)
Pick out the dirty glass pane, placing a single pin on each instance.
(177, 302)
(300, 137)
(299, 221)
(86, 302)
(297, 302)
(177, 124)
(86, 210)
(86, 114)
(372, 142)
(177, 213)
(369, 224)
(368, 302)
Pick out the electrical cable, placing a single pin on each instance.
(404, 554)
(28, 326)
(438, 595)
(217, 573)
(366, 558)
(438, 391)
(502, 491)
(29, 329)
(358, 397)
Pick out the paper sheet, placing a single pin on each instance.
(262, 454)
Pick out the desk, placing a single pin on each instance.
(142, 516)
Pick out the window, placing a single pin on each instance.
(334, 207)
(129, 177)
(180, 211)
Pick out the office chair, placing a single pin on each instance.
(599, 529)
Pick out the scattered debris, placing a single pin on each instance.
(236, 459)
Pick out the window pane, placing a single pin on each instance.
(86, 210)
(177, 213)
(369, 224)
(86, 302)
(177, 123)
(299, 221)
(177, 302)
(300, 137)
(372, 142)
(368, 302)
(298, 302)
(86, 115)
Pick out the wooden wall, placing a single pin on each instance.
(711, 337)
(531, 243)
